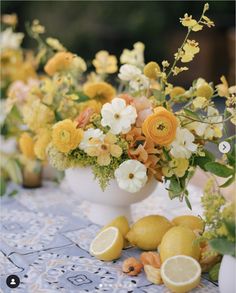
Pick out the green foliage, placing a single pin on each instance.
(219, 169)
(2, 186)
(223, 246)
(214, 272)
(191, 114)
(202, 161)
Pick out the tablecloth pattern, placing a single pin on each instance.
(45, 238)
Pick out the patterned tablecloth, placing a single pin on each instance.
(45, 239)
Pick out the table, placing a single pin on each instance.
(45, 238)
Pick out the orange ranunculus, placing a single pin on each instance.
(161, 126)
(58, 62)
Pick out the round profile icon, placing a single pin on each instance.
(13, 281)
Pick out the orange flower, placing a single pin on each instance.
(161, 126)
(58, 62)
(83, 119)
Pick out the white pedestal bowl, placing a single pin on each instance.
(108, 204)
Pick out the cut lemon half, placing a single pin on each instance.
(181, 273)
(107, 245)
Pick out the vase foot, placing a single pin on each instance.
(103, 214)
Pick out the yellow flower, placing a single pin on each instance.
(208, 21)
(188, 21)
(9, 19)
(42, 140)
(165, 63)
(105, 63)
(176, 70)
(223, 88)
(104, 149)
(161, 126)
(189, 50)
(177, 166)
(176, 91)
(26, 145)
(65, 136)
(204, 90)
(200, 102)
(64, 61)
(102, 91)
(93, 104)
(37, 115)
(55, 44)
(152, 70)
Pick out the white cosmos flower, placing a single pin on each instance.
(118, 116)
(10, 40)
(131, 175)
(88, 134)
(129, 72)
(132, 74)
(183, 146)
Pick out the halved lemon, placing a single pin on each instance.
(107, 245)
(181, 273)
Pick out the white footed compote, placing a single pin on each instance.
(108, 204)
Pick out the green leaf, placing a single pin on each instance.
(2, 186)
(13, 193)
(219, 169)
(175, 188)
(202, 161)
(231, 156)
(223, 246)
(166, 154)
(230, 226)
(228, 182)
(58, 116)
(214, 272)
(82, 97)
(191, 114)
(188, 202)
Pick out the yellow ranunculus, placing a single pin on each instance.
(151, 70)
(205, 91)
(26, 145)
(177, 91)
(65, 136)
(63, 61)
(161, 126)
(102, 91)
(42, 141)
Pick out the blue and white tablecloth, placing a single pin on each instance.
(45, 238)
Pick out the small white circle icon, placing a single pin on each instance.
(224, 147)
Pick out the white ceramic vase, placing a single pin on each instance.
(227, 275)
(108, 204)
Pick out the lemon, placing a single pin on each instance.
(181, 273)
(179, 240)
(147, 232)
(122, 224)
(107, 245)
(192, 222)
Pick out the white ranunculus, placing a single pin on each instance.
(129, 72)
(139, 83)
(183, 146)
(88, 134)
(10, 40)
(118, 116)
(131, 175)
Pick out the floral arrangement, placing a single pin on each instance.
(122, 125)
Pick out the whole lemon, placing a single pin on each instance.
(179, 241)
(147, 232)
(192, 222)
(122, 224)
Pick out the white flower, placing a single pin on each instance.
(135, 56)
(213, 127)
(139, 83)
(88, 134)
(129, 72)
(132, 74)
(183, 146)
(10, 40)
(118, 116)
(131, 175)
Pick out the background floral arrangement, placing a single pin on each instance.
(124, 126)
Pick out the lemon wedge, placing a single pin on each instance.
(181, 273)
(107, 245)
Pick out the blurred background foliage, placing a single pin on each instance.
(85, 27)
